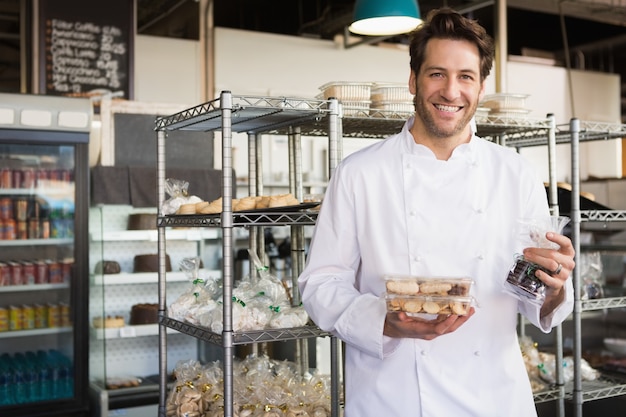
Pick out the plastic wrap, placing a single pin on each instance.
(521, 281)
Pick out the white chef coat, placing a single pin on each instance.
(394, 208)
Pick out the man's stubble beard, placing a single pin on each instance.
(421, 111)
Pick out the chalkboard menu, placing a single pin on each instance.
(86, 46)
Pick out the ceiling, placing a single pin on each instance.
(593, 30)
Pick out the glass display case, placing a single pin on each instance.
(123, 329)
(44, 180)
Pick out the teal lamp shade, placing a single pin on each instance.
(385, 17)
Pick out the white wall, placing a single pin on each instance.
(167, 70)
(254, 63)
(277, 65)
(596, 97)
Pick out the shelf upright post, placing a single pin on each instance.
(297, 235)
(260, 234)
(553, 197)
(575, 215)
(334, 135)
(226, 107)
(335, 132)
(296, 188)
(254, 175)
(553, 202)
(254, 183)
(162, 271)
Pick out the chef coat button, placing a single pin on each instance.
(412, 213)
(477, 353)
(481, 257)
(416, 259)
(479, 210)
(423, 353)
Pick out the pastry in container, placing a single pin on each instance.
(347, 90)
(392, 106)
(432, 286)
(420, 304)
(501, 102)
(391, 92)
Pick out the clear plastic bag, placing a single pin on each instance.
(521, 281)
(179, 195)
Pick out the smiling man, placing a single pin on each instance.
(434, 200)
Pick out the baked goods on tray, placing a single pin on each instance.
(240, 204)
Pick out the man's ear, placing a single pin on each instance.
(481, 94)
(412, 79)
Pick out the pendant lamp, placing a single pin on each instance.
(385, 17)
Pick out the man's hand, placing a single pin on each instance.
(560, 262)
(401, 325)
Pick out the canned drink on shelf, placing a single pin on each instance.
(42, 174)
(15, 318)
(28, 178)
(5, 274)
(21, 209)
(28, 317)
(21, 230)
(44, 229)
(64, 315)
(28, 272)
(65, 175)
(16, 178)
(6, 178)
(54, 315)
(67, 266)
(10, 229)
(4, 319)
(34, 228)
(41, 316)
(41, 272)
(6, 208)
(34, 209)
(55, 273)
(17, 273)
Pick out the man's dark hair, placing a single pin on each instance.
(446, 23)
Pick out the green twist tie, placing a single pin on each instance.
(275, 309)
(198, 281)
(237, 300)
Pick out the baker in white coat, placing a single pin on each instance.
(434, 200)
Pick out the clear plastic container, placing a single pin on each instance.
(346, 90)
(391, 92)
(429, 304)
(504, 101)
(432, 286)
(394, 106)
(355, 107)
